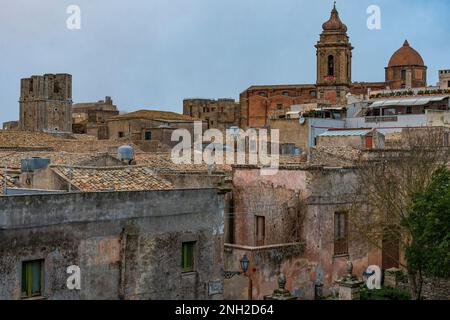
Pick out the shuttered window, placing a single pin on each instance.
(188, 256)
(340, 233)
(32, 278)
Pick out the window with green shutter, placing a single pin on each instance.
(32, 278)
(188, 256)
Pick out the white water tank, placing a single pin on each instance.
(125, 153)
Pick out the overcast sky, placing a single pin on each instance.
(154, 53)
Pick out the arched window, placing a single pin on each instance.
(331, 65)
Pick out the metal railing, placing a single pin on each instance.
(376, 119)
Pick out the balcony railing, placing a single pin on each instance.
(340, 246)
(381, 119)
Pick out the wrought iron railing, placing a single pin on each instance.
(340, 246)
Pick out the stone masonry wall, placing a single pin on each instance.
(127, 244)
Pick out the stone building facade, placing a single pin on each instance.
(128, 245)
(11, 125)
(90, 118)
(294, 222)
(46, 103)
(151, 130)
(219, 114)
(444, 79)
(259, 103)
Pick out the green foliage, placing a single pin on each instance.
(385, 293)
(429, 222)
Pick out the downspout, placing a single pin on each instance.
(122, 265)
(5, 180)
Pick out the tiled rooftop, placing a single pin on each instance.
(11, 159)
(70, 143)
(162, 162)
(132, 178)
(153, 115)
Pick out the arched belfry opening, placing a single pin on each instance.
(330, 65)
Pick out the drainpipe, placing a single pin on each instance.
(122, 266)
(5, 180)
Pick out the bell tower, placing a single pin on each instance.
(334, 61)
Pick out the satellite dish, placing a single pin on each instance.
(302, 120)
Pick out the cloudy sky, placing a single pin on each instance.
(154, 53)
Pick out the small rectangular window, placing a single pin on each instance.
(148, 135)
(121, 135)
(32, 278)
(260, 230)
(408, 110)
(446, 139)
(188, 256)
(340, 233)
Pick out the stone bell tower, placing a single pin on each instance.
(334, 61)
(46, 103)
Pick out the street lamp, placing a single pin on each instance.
(244, 263)
(244, 266)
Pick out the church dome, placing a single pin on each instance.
(334, 23)
(406, 56)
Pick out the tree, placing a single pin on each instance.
(387, 185)
(429, 221)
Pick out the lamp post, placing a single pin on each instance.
(245, 262)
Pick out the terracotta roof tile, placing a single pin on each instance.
(12, 159)
(130, 178)
(163, 162)
(69, 142)
(406, 56)
(153, 115)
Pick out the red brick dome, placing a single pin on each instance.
(406, 56)
(334, 23)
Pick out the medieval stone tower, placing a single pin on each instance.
(334, 61)
(46, 103)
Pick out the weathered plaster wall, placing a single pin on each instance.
(127, 244)
(315, 194)
(291, 131)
